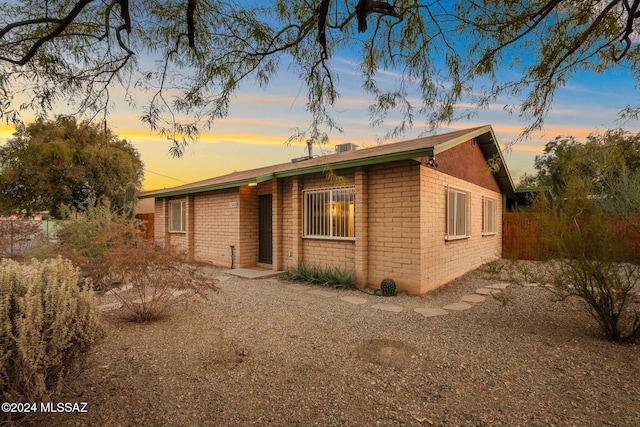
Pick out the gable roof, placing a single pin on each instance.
(421, 147)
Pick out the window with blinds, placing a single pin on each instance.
(488, 215)
(330, 213)
(177, 216)
(458, 214)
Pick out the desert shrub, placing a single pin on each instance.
(153, 279)
(327, 275)
(591, 262)
(17, 236)
(87, 235)
(47, 323)
(111, 251)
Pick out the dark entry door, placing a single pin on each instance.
(265, 242)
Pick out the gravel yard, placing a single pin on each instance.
(271, 353)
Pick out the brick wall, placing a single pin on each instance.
(174, 241)
(216, 225)
(393, 224)
(400, 226)
(443, 261)
(247, 245)
(325, 252)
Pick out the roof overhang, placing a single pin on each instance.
(483, 135)
(303, 170)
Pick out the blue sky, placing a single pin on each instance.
(257, 129)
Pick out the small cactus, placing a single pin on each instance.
(387, 288)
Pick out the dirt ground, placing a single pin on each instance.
(271, 353)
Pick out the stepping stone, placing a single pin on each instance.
(354, 300)
(502, 285)
(487, 291)
(472, 298)
(388, 307)
(321, 293)
(109, 307)
(457, 306)
(431, 312)
(531, 285)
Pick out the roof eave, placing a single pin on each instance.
(303, 170)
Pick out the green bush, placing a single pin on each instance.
(313, 273)
(88, 235)
(591, 262)
(47, 323)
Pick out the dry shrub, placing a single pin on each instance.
(17, 236)
(87, 235)
(111, 250)
(591, 262)
(153, 279)
(47, 323)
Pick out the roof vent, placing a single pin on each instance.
(341, 148)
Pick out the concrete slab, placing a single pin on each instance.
(431, 312)
(248, 273)
(388, 307)
(457, 306)
(322, 293)
(472, 298)
(502, 285)
(487, 291)
(354, 300)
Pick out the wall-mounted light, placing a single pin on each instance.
(252, 184)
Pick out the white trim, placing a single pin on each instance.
(485, 218)
(183, 216)
(454, 205)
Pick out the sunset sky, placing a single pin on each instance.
(255, 134)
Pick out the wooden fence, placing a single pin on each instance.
(521, 234)
(148, 227)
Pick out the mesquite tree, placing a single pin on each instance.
(180, 61)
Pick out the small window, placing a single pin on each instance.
(177, 216)
(457, 214)
(330, 213)
(488, 216)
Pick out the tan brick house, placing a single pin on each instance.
(421, 212)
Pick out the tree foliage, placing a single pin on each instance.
(610, 162)
(49, 164)
(182, 60)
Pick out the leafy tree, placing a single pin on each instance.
(190, 56)
(61, 162)
(609, 161)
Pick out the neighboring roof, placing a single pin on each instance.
(421, 147)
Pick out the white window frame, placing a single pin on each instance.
(453, 216)
(326, 225)
(489, 216)
(175, 226)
